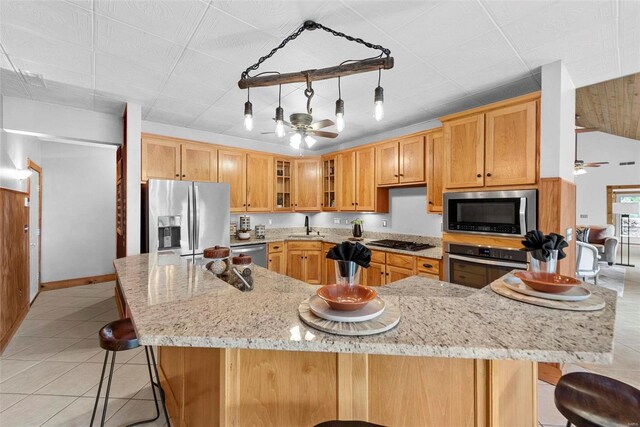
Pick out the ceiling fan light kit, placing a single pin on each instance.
(302, 124)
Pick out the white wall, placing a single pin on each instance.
(134, 195)
(557, 122)
(591, 188)
(15, 150)
(78, 210)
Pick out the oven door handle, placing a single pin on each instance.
(488, 261)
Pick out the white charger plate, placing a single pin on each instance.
(576, 293)
(320, 308)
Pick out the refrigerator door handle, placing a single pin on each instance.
(196, 218)
(189, 222)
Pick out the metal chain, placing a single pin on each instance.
(310, 25)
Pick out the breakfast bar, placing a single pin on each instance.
(458, 357)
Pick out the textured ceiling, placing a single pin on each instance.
(181, 59)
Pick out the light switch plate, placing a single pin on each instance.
(384, 222)
(569, 234)
(336, 220)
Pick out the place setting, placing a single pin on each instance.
(541, 285)
(346, 307)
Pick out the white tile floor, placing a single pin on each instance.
(50, 370)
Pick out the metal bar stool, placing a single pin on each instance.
(591, 400)
(118, 336)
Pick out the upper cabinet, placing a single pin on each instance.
(347, 181)
(400, 162)
(493, 146)
(356, 182)
(307, 177)
(169, 158)
(259, 182)
(366, 179)
(329, 183)
(232, 170)
(284, 185)
(434, 170)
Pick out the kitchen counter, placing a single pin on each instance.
(175, 303)
(434, 253)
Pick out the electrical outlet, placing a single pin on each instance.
(384, 222)
(569, 234)
(346, 221)
(584, 216)
(270, 221)
(336, 220)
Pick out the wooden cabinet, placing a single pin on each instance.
(464, 152)
(304, 261)
(276, 260)
(511, 145)
(375, 275)
(329, 184)
(356, 177)
(493, 146)
(400, 162)
(307, 177)
(434, 171)
(232, 170)
(160, 158)
(199, 163)
(329, 271)
(284, 185)
(259, 183)
(393, 274)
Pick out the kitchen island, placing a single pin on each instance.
(459, 357)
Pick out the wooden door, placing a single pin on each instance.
(313, 267)
(160, 158)
(329, 184)
(276, 262)
(387, 164)
(296, 264)
(232, 170)
(412, 159)
(365, 180)
(434, 171)
(464, 152)
(307, 180)
(199, 163)
(511, 145)
(374, 275)
(393, 274)
(347, 181)
(329, 272)
(284, 185)
(259, 183)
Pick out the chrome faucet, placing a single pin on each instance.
(306, 224)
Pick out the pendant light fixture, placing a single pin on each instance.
(279, 115)
(248, 114)
(339, 109)
(378, 100)
(295, 140)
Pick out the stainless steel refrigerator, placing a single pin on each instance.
(186, 216)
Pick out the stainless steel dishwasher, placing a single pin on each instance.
(257, 252)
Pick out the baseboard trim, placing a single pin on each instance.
(14, 328)
(80, 281)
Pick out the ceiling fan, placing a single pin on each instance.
(302, 128)
(580, 165)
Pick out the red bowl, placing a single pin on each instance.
(547, 282)
(346, 298)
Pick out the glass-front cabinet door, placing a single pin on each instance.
(329, 168)
(284, 185)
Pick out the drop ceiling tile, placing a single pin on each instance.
(557, 21)
(597, 68)
(218, 118)
(113, 71)
(53, 19)
(182, 106)
(85, 4)
(63, 94)
(630, 62)
(191, 89)
(391, 15)
(506, 11)
(207, 70)
(510, 90)
(454, 106)
(168, 117)
(443, 27)
(135, 45)
(485, 78)
(224, 37)
(172, 20)
(24, 44)
(55, 74)
(261, 97)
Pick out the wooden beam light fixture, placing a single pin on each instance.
(383, 61)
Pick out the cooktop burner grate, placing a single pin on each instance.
(401, 245)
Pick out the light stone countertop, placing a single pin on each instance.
(176, 303)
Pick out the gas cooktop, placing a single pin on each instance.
(401, 245)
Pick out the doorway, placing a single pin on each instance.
(35, 225)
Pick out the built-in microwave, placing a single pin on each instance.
(505, 213)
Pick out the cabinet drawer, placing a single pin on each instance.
(378, 257)
(275, 247)
(304, 246)
(428, 265)
(402, 261)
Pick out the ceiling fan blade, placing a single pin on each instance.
(321, 124)
(323, 134)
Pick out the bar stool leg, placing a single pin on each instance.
(104, 368)
(154, 383)
(106, 396)
(160, 390)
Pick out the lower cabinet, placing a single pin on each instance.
(329, 269)
(374, 275)
(304, 261)
(276, 260)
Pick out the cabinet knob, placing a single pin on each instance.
(479, 175)
(401, 174)
(249, 204)
(395, 176)
(489, 174)
(177, 175)
(352, 203)
(184, 176)
(427, 265)
(430, 202)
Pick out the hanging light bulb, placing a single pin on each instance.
(378, 100)
(295, 140)
(279, 122)
(309, 140)
(248, 114)
(339, 109)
